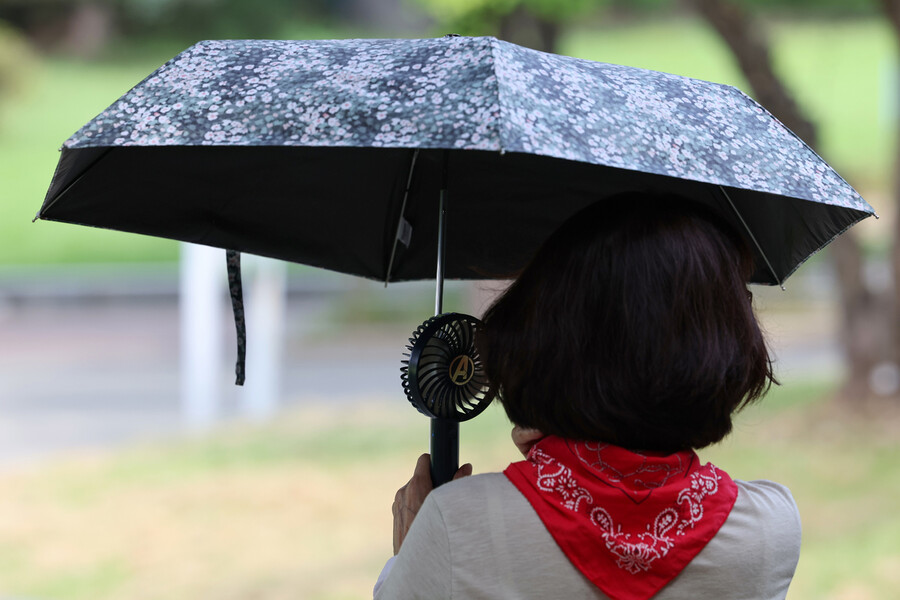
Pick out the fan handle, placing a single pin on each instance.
(444, 450)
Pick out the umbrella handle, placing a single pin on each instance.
(444, 450)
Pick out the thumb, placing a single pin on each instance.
(464, 471)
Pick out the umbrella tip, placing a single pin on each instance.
(876, 216)
(38, 216)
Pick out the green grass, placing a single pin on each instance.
(843, 471)
(839, 70)
(61, 96)
(300, 508)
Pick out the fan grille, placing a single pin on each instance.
(443, 376)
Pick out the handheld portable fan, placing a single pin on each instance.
(443, 377)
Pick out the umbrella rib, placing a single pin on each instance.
(412, 167)
(68, 187)
(752, 237)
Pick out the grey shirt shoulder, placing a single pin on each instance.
(479, 538)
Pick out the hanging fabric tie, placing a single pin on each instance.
(235, 288)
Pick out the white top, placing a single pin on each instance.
(479, 538)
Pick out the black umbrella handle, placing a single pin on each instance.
(444, 450)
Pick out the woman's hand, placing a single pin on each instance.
(410, 497)
(524, 438)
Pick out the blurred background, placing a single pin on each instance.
(130, 467)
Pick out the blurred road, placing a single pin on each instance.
(93, 374)
(80, 371)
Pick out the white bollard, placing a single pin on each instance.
(265, 301)
(201, 305)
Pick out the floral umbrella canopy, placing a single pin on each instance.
(338, 154)
(306, 150)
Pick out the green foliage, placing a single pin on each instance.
(480, 16)
(53, 23)
(813, 7)
(474, 17)
(557, 10)
(204, 19)
(806, 8)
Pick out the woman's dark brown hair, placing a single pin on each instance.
(633, 326)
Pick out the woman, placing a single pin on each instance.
(626, 344)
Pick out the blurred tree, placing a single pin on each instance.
(891, 9)
(81, 27)
(807, 7)
(537, 23)
(16, 60)
(85, 26)
(205, 19)
(393, 17)
(532, 23)
(869, 318)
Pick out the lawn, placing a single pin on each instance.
(842, 71)
(301, 508)
(61, 96)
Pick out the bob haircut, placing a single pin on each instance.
(633, 326)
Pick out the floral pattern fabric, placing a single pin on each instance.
(468, 94)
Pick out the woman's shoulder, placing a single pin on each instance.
(756, 549)
(766, 515)
(466, 488)
(764, 486)
(768, 499)
(478, 498)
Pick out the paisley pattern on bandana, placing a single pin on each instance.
(629, 521)
(465, 93)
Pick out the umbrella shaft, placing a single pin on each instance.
(441, 242)
(444, 432)
(444, 450)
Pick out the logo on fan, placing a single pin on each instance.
(461, 369)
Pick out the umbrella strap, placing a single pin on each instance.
(235, 288)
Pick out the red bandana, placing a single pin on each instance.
(630, 522)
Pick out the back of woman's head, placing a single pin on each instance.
(632, 325)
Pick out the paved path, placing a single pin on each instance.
(81, 374)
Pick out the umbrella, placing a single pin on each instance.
(356, 156)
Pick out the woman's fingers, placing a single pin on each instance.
(464, 471)
(423, 469)
(409, 499)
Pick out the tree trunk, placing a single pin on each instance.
(522, 27)
(751, 50)
(89, 29)
(891, 9)
(863, 315)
